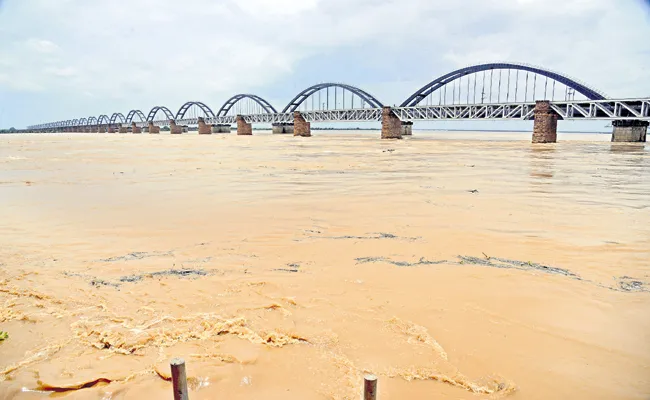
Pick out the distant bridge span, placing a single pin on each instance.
(485, 91)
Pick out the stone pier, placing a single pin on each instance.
(391, 126)
(545, 128)
(135, 128)
(221, 128)
(243, 127)
(123, 129)
(110, 129)
(300, 126)
(175, 129)
(282, 127)
(153, 128)
(407, 128)
(204, 129)
(629, 131)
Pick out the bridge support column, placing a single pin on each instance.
(175, 129)
(135, 128)
(545, 128)
(221, 128)
(99, 129)
(300, 126)
(110, 129)
(243, 127)
(204, 129)
(282, 127)
(629, 131)
(407, 128)
(153, 128)
(391, 126)
(123, 129)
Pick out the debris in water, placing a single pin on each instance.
(291, 267)
(422, 261)
(372, 236)
(506, 263)
(138, 255)
(629, 284)
(473, 191)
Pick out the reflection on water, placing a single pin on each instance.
(541, 163)
(450, 264)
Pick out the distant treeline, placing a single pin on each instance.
(10, 130)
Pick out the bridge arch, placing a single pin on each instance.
(91, 121)
(83, 122)
(133, 113)
(103, 120)
(302, 96)
(266, 106)
(117, 117)
(75, 122)
(422, 93)
(154, 111)
(181, 111)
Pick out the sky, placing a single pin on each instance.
(68, 59)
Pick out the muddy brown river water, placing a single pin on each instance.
(451, 265)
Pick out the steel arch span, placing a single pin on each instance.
(415, 98)
(181, 111)
(115, 117)
(164, 109)
(133, 113)
(83, 122)
(75, 122)
(91, 121)
(103, 120)
(302, 96)
(266, 106)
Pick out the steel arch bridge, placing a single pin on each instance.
(134, 113)
(302, 96)
(440, 82)
(266, 106)
(154, 111)
(181, 111)
(418, 106)
(115, 117)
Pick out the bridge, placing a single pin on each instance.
(494, 91)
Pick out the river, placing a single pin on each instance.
(456, 265)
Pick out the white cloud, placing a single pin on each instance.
(41, 46)
(122, 54)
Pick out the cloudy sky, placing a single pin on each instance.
(65, 59)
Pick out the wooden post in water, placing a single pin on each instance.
(179, 379)
(370, 387)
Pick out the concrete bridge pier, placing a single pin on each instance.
(110, 129)
(243, 127)
(300, 126)
(175, 129)
(282, 127)
(135, 128)
(123, 129)
(545, 127)
(153, 128)
(221, 128)
(391, 126)
(407, 128)
(629, 131)
(204, 129)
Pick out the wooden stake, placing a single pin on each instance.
(370, 387)
(179, 379)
